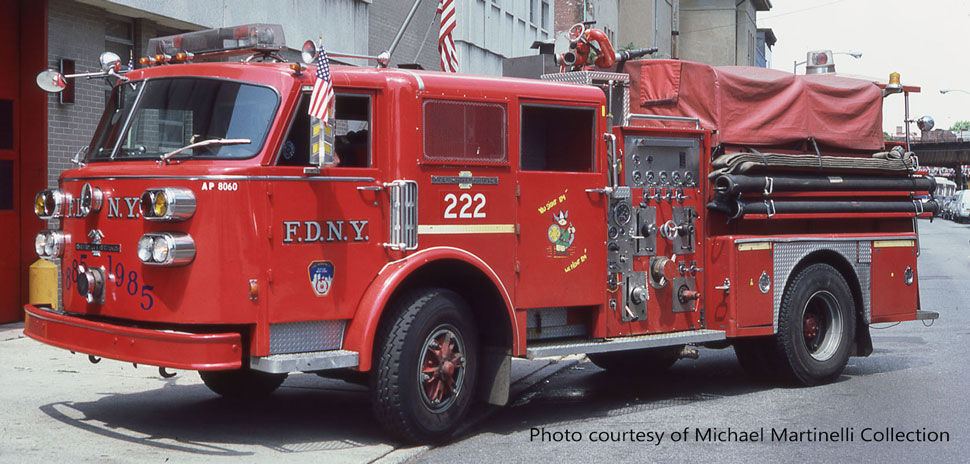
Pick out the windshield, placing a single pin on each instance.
(172, 113)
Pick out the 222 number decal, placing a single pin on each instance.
(116, 274)
(467, 201)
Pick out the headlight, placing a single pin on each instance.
(91, 200)
(50, 244)
(50, 204)
(166, 249)
(160, 250)
(40, 242)
(145, 245)
(167, 204)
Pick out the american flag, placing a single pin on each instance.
(446, 43)
(322, 94)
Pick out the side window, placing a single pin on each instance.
(462, 132)
(352, 134)
(557, 138)
(352, 139)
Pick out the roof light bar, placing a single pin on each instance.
(237, 40)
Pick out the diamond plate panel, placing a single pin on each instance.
(788, 255)
(545, 317)
(586, 77)
(863, 271)
(564, 331)
(302, 337)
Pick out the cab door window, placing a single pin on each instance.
(352, 133)
(557, 138)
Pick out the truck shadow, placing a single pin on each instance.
(307, 414)
(310, 414)
(585, 391)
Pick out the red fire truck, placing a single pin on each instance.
(464, 220)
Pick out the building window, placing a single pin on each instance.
(545, 15)
(458, 131)
(557, 138)
(119, 38)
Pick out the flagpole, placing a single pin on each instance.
(400, 32)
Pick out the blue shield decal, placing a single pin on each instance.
(321, 277)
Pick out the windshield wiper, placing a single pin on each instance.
(164, 158)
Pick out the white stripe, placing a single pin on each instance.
(440, 229)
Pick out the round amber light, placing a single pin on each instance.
(161, 204)
(39, 207)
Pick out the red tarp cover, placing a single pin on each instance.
(757, 106)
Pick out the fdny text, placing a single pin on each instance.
(324, 231)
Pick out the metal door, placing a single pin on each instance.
(9, 162)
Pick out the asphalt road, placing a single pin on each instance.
(917, 379)
(57, 407)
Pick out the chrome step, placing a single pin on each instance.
(560, 348)
(926, 315)
(311, 361)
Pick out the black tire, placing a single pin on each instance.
(755, 357)
(638, 362)
(816, 323)
(409, 405)
(242, 383)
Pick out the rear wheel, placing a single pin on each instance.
(638, 362)
(425, 371)
(815, 326)
(243, 383)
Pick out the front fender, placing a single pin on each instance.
(363, 328)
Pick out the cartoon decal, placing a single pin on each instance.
(321, 277)
(561, 233)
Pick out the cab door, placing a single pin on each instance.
(326, 227)
(561, 217)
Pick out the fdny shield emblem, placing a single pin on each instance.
(321, 277)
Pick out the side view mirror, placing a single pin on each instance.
(926, 123)
(51, 81)
(110, 62)
(309, 52)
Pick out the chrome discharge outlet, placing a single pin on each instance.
(90, 284)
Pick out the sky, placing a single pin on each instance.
(926, 41)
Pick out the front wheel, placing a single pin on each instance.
(816, 323)
(425, 368)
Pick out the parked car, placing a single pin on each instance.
(959, 208)
(945, 189)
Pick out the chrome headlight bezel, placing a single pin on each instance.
(179, 248)
(92, 198)
(53, 244)
(51, 203)
(178, 204)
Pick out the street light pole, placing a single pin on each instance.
(959, 173)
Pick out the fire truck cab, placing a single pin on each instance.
(462, 221)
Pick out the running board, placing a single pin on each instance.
(561, 348)
(312, 361)
(926, 315)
